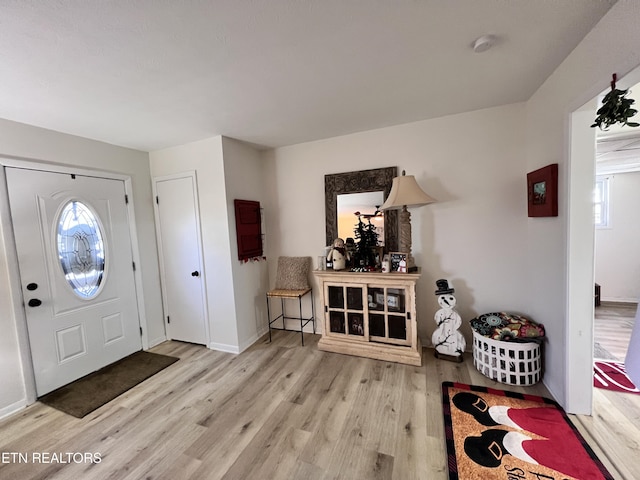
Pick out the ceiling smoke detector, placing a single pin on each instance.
(484, 43)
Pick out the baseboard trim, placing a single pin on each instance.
(246, 344)
(157, 341)
(223, 347)
(13, 408)
(618, 302)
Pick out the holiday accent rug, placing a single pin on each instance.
(495, 434)
(611, 375)
(88, 393)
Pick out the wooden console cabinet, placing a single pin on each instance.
(370, 314)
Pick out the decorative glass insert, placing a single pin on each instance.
(336, 297)
(81, 249)
(376, 325)
(356, 324)
(354, 298)
(375, 298)
(397, 327)
(395, 300)
(336, 322)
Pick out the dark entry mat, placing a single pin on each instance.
(88, 393)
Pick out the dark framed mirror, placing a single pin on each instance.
(377, 179)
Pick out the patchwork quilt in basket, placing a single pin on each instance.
(507, 327)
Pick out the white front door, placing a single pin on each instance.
(177, 222)
(76, 269)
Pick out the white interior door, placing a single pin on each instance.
(76, 268)
(178, 225)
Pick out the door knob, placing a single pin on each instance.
(195, 274)
(34, 302)
(32, 286)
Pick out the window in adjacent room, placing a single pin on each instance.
(601, 202)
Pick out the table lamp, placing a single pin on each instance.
(405, 192)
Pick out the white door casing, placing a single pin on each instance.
(71, 334)
(181, 266)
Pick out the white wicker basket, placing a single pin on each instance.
(507, 362)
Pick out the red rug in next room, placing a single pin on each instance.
(612, 376)
(500, 435)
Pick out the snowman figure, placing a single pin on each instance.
(447, 340)
(339, 255)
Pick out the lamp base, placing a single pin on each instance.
(405, 238)
(411, 263)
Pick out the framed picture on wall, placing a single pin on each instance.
(542, 191)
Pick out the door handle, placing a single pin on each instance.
(195, 274)
(34, 302)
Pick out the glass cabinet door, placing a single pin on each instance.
(377, 325)
(389, 321)
(354, 298)
(336, 322)
(395, 300)
(356, 324)
(345, 311)
(397, 327)
(336, 297)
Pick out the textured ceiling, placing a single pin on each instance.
(148, 74)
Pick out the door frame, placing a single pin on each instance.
(190, 174)
(580, 261)
(18, 309)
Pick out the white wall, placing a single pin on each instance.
(477, 236)
(561, 282)
(226, 169)
(19, 140)
(617, 252)
(206, 159)
(474, 236)
(244, 180)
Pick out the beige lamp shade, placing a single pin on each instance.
(405, 191)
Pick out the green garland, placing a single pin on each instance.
(616, 108)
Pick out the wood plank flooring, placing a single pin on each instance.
(276, 411)
(612, 330)
(614, 427)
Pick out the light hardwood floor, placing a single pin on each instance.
(612, 329)
(276, 411)
(614, 426)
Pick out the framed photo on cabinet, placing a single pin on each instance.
(398, 261)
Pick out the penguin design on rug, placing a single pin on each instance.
(447, 340)
(536, 435)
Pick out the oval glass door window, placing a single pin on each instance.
(81, 249)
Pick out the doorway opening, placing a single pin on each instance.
(617, 258)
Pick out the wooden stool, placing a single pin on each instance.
(290, 294)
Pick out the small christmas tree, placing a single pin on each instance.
(366, 239)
